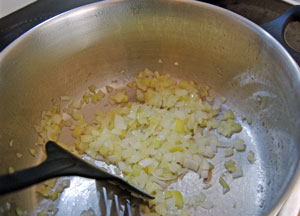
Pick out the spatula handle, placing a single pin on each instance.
(59, 162)
(21, 179)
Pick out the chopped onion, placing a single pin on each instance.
(120, 97)
(225, 186)
(190, 164)
(228, 153)
(230, 166)
(120, 123)
(65, 98)
(11, 170)
(19, 155)
(92, 88)
(207, 186)
(109, 89)
(206, 151)
(251, 157)
(238, 172)
(11, 142)
(153, 142)
(228, 115)
(239, 144)
(146, 162)
(204, 174)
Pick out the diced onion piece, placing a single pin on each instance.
(77, 116)
(155, 143)
(230, 166)
(140, 95)
(11, 142)
(64, 184)
(174, 167)
(54, 195)
(203, 91)
(146, 162)
(228, 115)
(179, 125)
(44, 190)
(119, 123)
(19, 155)
(212, 124)
(109, 89)
(205, 165)
(56, 118)
(76, 104)
(11, 170)
(32, 152)
(177, 195)
(176, 149)
(120, 97)
(86, 97)
(153, 98)
(229, 127)
(239, 144)
(92, 88)
(96, 97)
(225, 186)
(190, 164)
(228, 153)
(131, 84)
(86, 138)
(204, 174)
(100, 94)
(251, 157)
(206, 151)
(50, 182)
(207, 186)
(65, 98)
(237, 173)
(249, 121)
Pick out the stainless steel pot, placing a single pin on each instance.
(92, 44)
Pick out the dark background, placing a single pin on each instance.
(259, 11)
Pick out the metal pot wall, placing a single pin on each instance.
(92, 44)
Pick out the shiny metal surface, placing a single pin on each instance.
(92, 44)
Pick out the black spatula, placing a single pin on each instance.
(61, 162)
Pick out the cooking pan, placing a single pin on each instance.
(92, 44)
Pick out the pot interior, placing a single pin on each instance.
(92, 44)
